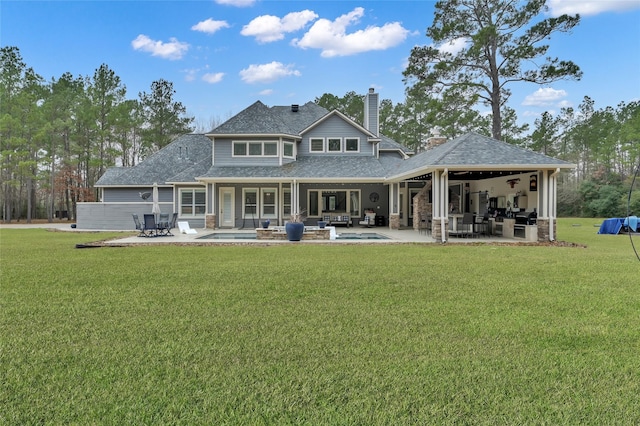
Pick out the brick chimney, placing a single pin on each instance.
(372, 112)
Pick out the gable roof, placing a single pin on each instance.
(336, 113)
(181, 161)
(278, 120)
(473, 151)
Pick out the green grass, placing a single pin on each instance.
(319, 334)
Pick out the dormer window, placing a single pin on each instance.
(334, 145)
(352, 144)
(316, 145)
(287, 149)
(255, 149)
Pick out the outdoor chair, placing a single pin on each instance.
(139, 226)
(369, 220)
(171, 225)
(150, 227)
(424, 223)
(185, 228)
(467, 225)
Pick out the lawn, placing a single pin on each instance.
(319, 334)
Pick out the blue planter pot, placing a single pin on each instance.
(294, 230)
(322, 224)
(265, 224)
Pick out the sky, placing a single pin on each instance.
(223, 55)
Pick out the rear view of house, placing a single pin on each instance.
(269, 162)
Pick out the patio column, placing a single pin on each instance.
(210, 218)
(394, 203)
(440, 230)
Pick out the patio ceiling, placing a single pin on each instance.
(476, 174)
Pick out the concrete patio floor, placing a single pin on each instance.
(405, 235)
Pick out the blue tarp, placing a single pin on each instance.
(631, 222)
(615, 224)
(611, 226)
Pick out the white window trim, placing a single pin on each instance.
(246, 143)
(293, 149)
(193, 205)
(311, 145)
(319, 191)
(340, 149)
(273, 215)
(285, 215)
(244, 203)
(345, 145)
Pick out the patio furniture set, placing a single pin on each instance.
(150, 227)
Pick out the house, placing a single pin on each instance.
(270, 162)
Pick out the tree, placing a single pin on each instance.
(165, 118)
(106, 92)
(545, 134)
(501, 46)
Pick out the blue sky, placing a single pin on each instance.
(223, 55)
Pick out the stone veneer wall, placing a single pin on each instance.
(436, 230)
(421, 206)
(280, 234)
(210, 221)
(543, 229)
(394, 221)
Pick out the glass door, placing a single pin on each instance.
(227, 209)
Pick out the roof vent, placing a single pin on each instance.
(294, 108)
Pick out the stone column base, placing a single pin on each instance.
(210, 221)
(543, 229)
(394, 221)
(436, 229)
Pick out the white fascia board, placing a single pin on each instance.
(252, 135)
(458, 168)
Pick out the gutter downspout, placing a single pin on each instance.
(443, 205)
(552, 214)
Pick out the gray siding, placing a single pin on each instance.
(335, 127)
(132, 195)
(223, 155)
(118, 216)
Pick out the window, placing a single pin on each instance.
(269, 202)
(270, 149)
(255, 149)
(317, 145)
(286, 202)
(192, 202)
(352, 144)
(239, 149)
(334, 145)
(249, 203)
(288, 149)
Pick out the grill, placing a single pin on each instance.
(526, 219)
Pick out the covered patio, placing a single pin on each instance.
(487, 178)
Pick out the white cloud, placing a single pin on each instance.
(266, 92)
(592, 7)
(237, 3)
(332, 38)
(213, 77)
(544, 96)
(172, 50)
(210, 26)
(268, 28)
(454, 46)
(267, 73)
